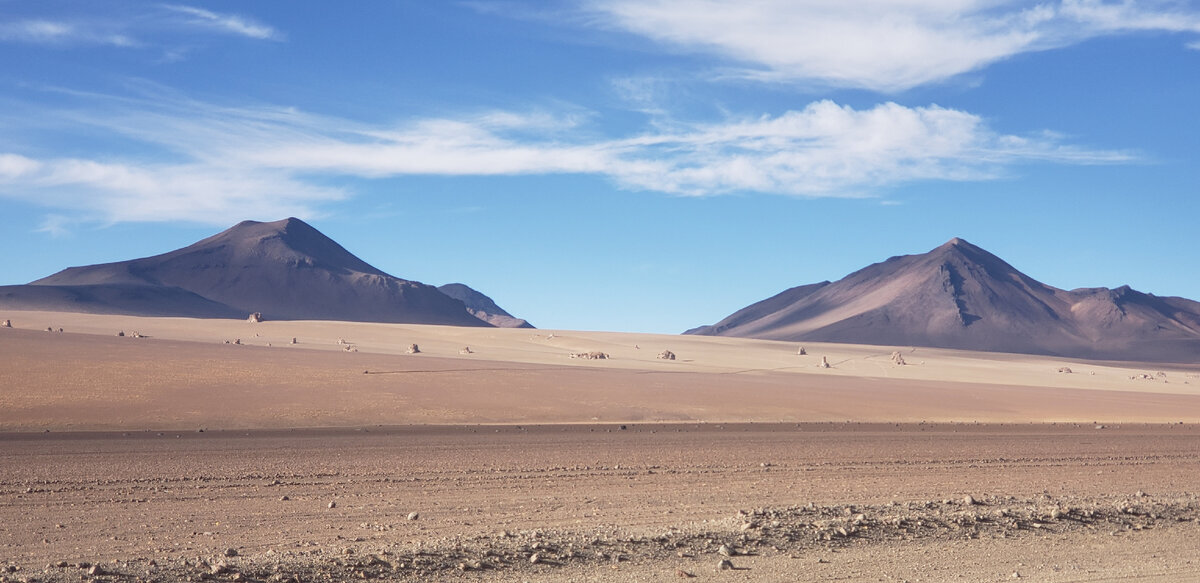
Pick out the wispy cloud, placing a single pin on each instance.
(208, 162)
(881, 45)
(229, 23)
(63, 33)
(159, 25)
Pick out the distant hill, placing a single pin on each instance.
(960, 296)
(483, 307)
(286, 270)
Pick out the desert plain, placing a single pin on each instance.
(188, 450)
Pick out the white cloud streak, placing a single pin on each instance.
(62, 33)
(163, 22)
(883, 45)
(229, 23)
(215, 162)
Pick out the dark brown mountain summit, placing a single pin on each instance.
(961, 296)
(285, 269)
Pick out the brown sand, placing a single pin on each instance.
(711, 443)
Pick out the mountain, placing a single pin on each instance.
(960, 296)
(483, 307)
(287, 270)
(116, 298)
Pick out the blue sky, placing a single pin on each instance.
(638, 165)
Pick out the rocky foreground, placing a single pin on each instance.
(738, 502)
(714, 546)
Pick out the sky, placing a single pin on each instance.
(631, 165)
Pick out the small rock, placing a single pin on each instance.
(968, 500)
(231, 552)
(683, 574)
(413, 349)
(284, 498)
(724, 565)
(413, 515)
(725, 551)
(535, 558)
(332, 504)
(95, 570)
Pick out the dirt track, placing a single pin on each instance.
(596, 502)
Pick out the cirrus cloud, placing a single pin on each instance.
(883, 45)
(204, 162)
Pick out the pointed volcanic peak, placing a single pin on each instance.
(961, 296)
(482, 307)
(284, 269)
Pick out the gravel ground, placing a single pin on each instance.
(647, 502)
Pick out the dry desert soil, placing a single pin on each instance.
(170, 455)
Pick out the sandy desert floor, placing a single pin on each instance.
(177, 457)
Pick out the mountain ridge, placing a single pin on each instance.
(959, 295)
(283, 269)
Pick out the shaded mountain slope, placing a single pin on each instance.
(482, 307)
(960, 296)
(286, 270)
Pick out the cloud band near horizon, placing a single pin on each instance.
(211, 161)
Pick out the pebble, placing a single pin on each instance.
(724, 565)
(333, 504)
(968, 500)
(536, 558)
(725, 551)
(231, 552)
(413, 515)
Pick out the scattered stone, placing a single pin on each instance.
(6, 324)
(683, 574)
(413, 349)
(898, 358)
(414, 515)
(594, 355)
(332, 504)
(824, 362)
(284, 498)
(231, 552)
(237, 341)
(294, 341)
(666, 355)
(535, 558)
(255, 318)
(968, 500)
(1065, 369)
(725, 551)
(724, 565)
(1101, 427)
(801, 352)
(465, 350)
(121, 334)
(95, 570)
